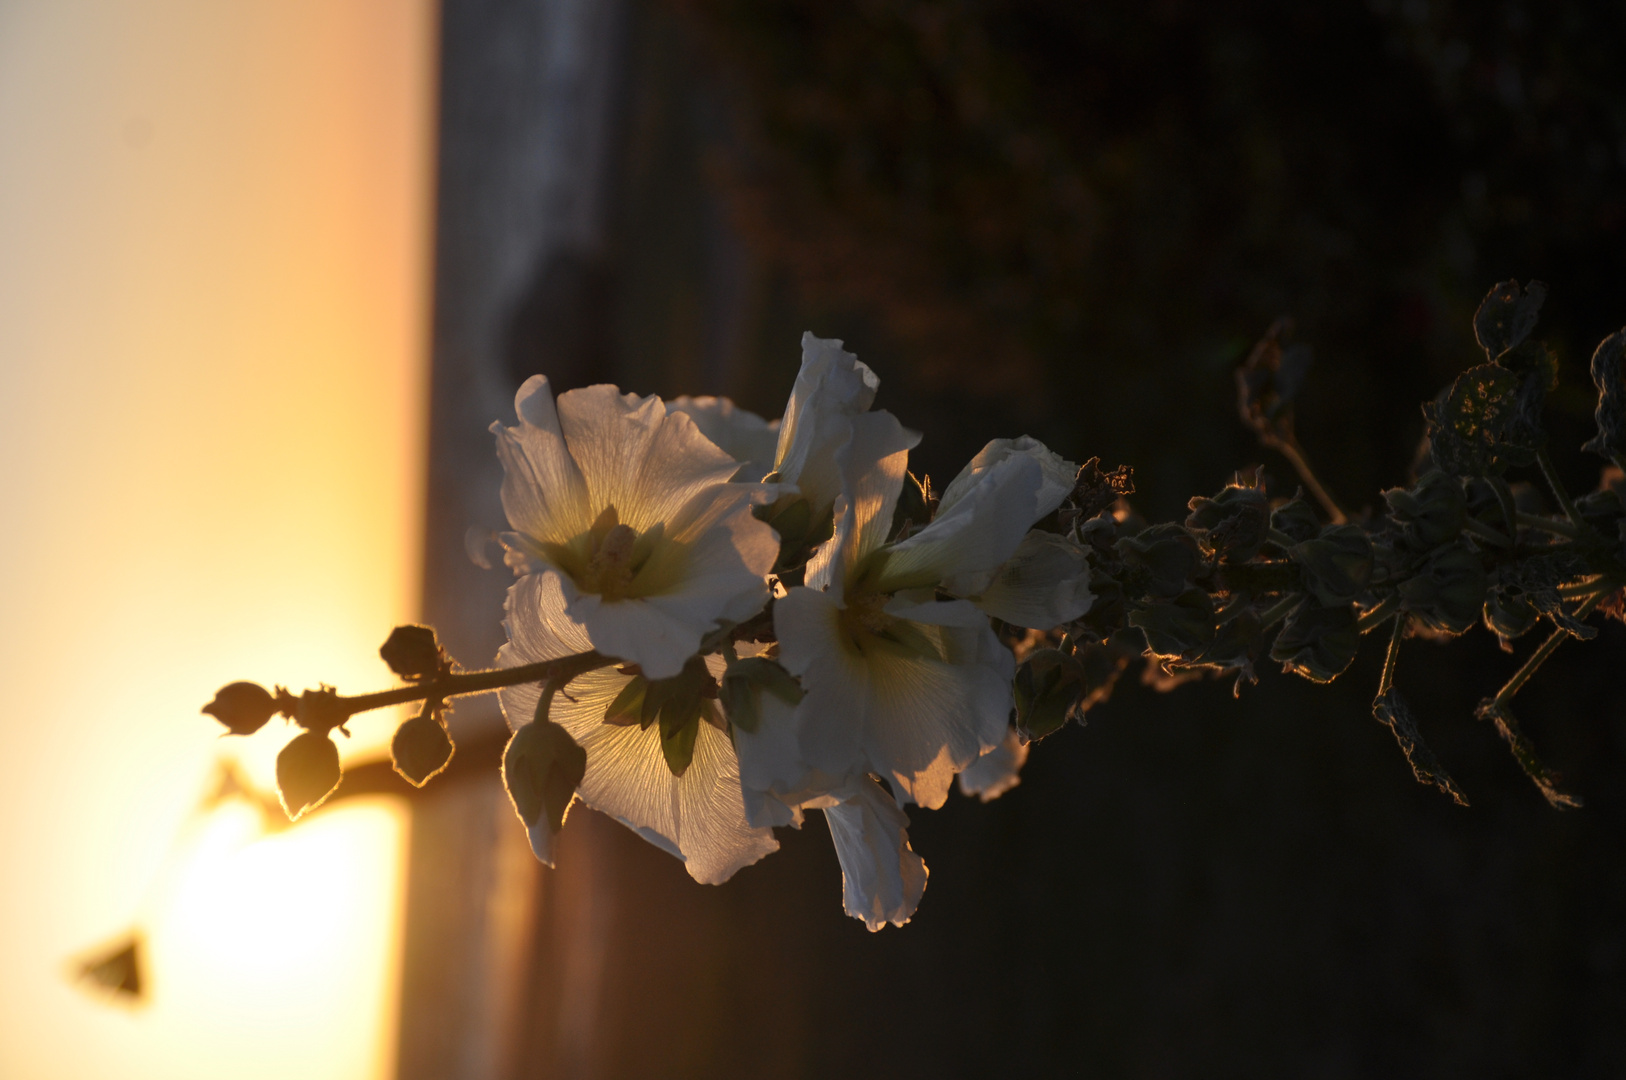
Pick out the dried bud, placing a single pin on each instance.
(421, 747)
(413, 653)
(307, 773)
(244, 707)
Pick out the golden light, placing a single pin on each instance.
(213, 279)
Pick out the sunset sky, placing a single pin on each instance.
(214, 242)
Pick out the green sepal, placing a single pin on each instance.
(1507, 315)
(628, 706)
(679, 727)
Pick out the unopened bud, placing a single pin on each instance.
(412, 653)
(421, 748)
(244, 707)
(307, 773)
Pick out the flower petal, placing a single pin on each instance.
(882, 878)
(1059, 473)
(742, 435)
(913, 718)
(1046, 583)
(543, 492)
(700, 816)
(871, 464)
(831, 388)
(636, 456)
(976, 534)
(997, 771)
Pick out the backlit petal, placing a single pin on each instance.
(882, 878)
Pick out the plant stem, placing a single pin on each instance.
(559, 672)
(1477, 528)
(1547, 524)
(1374, 616)
(1557, 486)
(1546, 649)
(1386, 681)
(1282, 540)
(1279, 610)
(1289, 449)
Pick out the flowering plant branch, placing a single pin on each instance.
(720, 623)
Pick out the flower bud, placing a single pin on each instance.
(412, 653)
(541, 769)
(1048, 684)
(1318, 643)
(244, 707)
(307, 773)
(421, 748)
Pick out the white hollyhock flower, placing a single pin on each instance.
(881, 876)
(997, 771)
(739, 433)
(899, 682)
(831, 388)
(699, 816)
(627, 505)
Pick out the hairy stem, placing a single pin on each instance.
(1476, 528)
(1547, 524)
(1373, 617)
(1289, 449)
(1559, 493)
(1386, 681)
(555, 672)
(1539, 657)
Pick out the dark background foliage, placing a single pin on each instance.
(1072, 220)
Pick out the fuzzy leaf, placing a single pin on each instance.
(1607, 373)
(1392, 710)
(1507, 315)
(1478, 426)
(1318, 643)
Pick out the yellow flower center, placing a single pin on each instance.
(616, 561)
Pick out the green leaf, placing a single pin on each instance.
(1296, 518)
(1048, 687)
(1176, 627)
(1392, 710)
(1480, 424)
(1233, 524)
(1507, 315)
(1337, 564)
(1431, 512)
(307, 773)
(421, 748)
(542, 767)
(1166, 558)
(1524, 752)
(1448, 593)
(1318, 643)
(1610, 379)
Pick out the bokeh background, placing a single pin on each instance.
(1065, 219)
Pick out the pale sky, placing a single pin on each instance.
(214, 243)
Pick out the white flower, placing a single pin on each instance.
(900, 683)
(739, 433)
(1044, 584)
(881, 876)
(627, 505)
(699, 816)
(997, 771)
(831, 388)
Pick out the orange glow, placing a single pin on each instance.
(213, 279)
